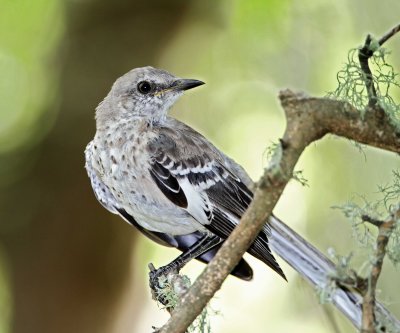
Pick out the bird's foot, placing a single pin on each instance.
(158, 280)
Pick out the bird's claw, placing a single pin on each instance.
(157, 279)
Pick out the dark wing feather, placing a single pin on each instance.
(185, 155)
(229, 193)
(222, 227)
(168, 184)
(233, 197)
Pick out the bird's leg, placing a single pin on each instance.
(201, 246)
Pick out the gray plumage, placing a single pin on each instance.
(161, 175)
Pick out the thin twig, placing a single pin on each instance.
(369, 299)
(389, 35)
(366, 52)
(374, 221)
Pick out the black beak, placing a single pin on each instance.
(185, 84)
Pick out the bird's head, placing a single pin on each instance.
(143, 92)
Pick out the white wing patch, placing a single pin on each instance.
(199, 205)
(194, 181)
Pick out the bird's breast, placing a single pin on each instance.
(122, 161)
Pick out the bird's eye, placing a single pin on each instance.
(144, 87)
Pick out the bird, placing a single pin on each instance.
(165, 178)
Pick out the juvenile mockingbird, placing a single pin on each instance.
(165, 178)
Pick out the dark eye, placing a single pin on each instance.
(144, 87)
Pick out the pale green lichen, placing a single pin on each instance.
(351, 83)
(273, 156)
(168, 291)
(343, 272)
(381, 209)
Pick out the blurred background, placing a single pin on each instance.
(66, 264)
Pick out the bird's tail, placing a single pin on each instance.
(260, 250)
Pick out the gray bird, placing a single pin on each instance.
(165, 178)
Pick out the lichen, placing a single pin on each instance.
(351, 83)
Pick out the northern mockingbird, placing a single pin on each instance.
(165, 178)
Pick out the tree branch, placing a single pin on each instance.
(308, 119)
(374, 221)
(389, 35)
(366, 52)
(369, 319)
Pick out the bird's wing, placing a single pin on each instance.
(195, 176)
(181, 242)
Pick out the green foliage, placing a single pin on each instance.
(351, 82)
